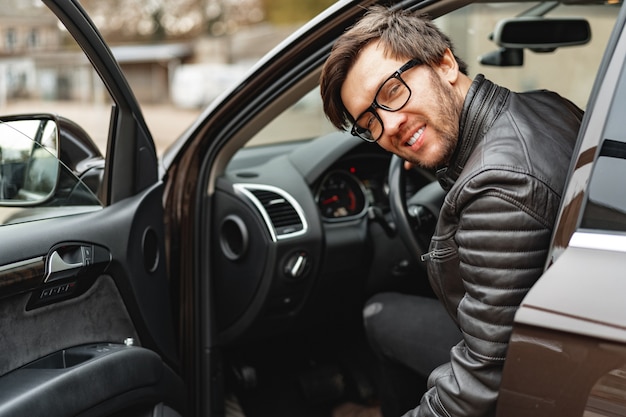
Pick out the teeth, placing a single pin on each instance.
(415, 136)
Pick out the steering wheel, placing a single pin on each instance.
(416, 217)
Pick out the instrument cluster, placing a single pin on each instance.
(352, 185)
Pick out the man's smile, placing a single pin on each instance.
(413, 139)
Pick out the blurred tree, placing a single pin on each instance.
(225, 16)
(293, 11)
(158, 20)
(124, 20)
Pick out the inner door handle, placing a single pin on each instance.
(57, 264)
(67, 261)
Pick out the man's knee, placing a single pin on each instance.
(378, 320)
(374, 309)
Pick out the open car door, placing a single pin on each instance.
(86, 323)
(567, 354)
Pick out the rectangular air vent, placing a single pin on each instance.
(281, 212)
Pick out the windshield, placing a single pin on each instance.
(570, 71)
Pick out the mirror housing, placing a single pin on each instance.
(29, 163)
(504, 57)
(538, 34)
(541, 34)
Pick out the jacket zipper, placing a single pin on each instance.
(437, 254)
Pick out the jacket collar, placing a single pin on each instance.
(483, 103)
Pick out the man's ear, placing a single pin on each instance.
(448, 68)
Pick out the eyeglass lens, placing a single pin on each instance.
(391, 96)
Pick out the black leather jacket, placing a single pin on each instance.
(505, 182)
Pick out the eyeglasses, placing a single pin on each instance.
(391, 96)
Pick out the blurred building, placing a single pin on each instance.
(36, 62)
(24, 36)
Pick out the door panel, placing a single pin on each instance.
(86, 323)
(70, 347)
(98, 315)
(114, 369)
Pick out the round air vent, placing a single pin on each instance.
(233, 236)
(150, 248)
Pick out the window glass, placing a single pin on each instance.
(471, 27)
(43, 71)
(303, 120)
(605, 205)
(605, 208)
(180, 55)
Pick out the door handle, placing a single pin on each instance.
(57, 264)
(70, 270)
(68, 261)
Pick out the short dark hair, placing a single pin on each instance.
(403, 35)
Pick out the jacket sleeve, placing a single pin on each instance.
(501, 240)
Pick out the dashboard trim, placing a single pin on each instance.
(247, 188)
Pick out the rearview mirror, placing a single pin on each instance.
(29, 164)
(541, 34)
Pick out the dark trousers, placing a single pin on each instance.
(411, 336)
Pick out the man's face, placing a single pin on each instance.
(424, 131)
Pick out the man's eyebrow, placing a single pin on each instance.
(382, 79)
(372, 89)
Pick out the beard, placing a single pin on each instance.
(446, 125)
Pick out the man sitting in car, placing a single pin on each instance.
(502, 157)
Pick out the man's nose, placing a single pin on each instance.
(392, 121)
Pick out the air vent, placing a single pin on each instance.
(281, 212)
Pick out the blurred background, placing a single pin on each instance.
(200, 46)
(177, 55)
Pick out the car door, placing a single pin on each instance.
(86, 322)
(567, 355)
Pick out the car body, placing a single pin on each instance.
(233, 267)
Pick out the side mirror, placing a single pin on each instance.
(46, 162)
(29, 163)
(541, 34)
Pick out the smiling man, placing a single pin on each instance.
(502, 157)
(423, 131)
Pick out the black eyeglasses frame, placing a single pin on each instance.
(362, 133)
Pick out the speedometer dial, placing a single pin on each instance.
(341, 195)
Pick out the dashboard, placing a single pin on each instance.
(303, 232)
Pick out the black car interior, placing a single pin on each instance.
(294, 264)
